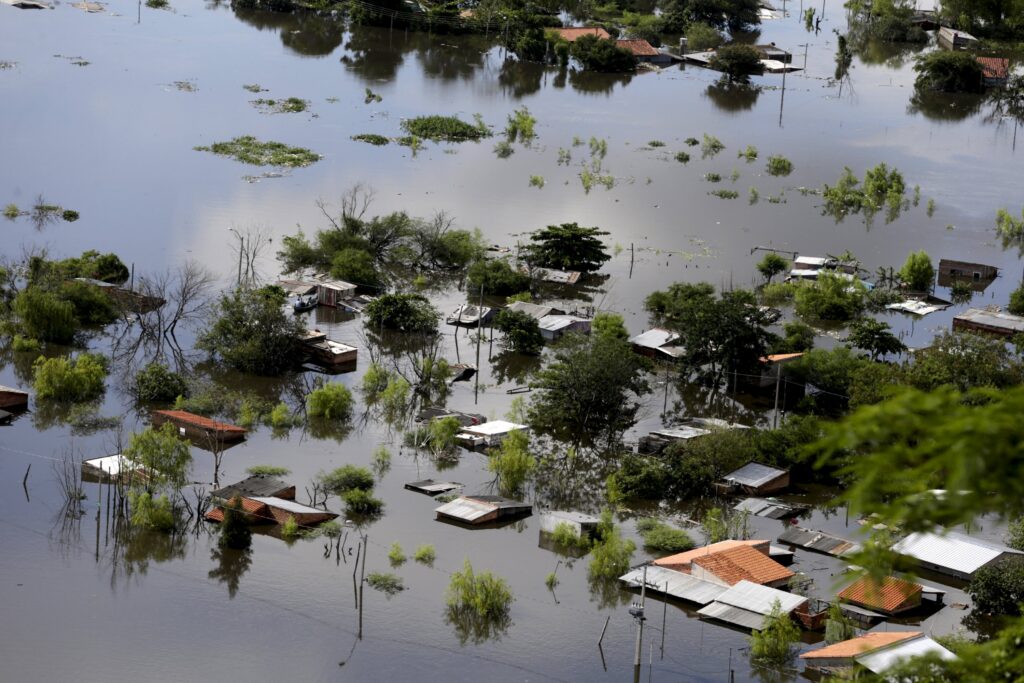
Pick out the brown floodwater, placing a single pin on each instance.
(113, 139)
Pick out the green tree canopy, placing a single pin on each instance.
(918, 272)
(567, 247)
(737, 61)
(875, 337)
(252, 332)
(166, 458)
(602, 54)
(402, 312)
(521, 331)
(948, 71)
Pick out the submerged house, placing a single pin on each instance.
(817, 541)
(769, 508)
(953, 554)
(584, 526)
(487, 434)
(682, 562)
(978, 275)
(890, 596)
(643, 51)
(474, 510)
(272, 510)
(991, 322)
(673, 583)
(432, 413)
(684, 430)
(12, 400)
(955, 39)
(199, 427)
(111, 468)
(842, 655)
(535, 311)
(258, 485)
(334, 292)
(658, 343)
(747, 604)
(742, 563)
(554, 327)
(431, 487)
(754, 479)
(572, 34)
(327, 351)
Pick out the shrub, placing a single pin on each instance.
(347, 478)
(447, 128)
(156, 382)
(388, 584)
(64, 379)
(611, 554)
(70, 215)
(360, 502)
(281, 416)
(565, 535)
(682, 157)
(477, 594)
(1015, 534)
(838, 626)
(496, 276)
(512, 462)
(45, 316)
(371, 138)
(551, 581)
(290, 528)
(775, 644)
(381, 461)
(598, 54)
(396, 556)
(830, 298)
(151, 513)
(24, 344)
(234, 530)
(520, 126)
(701, 37)
(91, 305)
(737, 61)
(268, 471)
(403, 312)
(749, 154)
(948, 71)
(332, 402)
(779, 165)
(425, 554)
(662, 537)
(771, 265)
(710, 146)
(917, 271)
(999, 588)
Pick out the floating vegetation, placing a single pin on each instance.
(691, 142)
(396, 556)
(960, 292)
(682, 157)
(69, 215)
(446, 128)
(332, 100)
(7, 65)
(564, 156)
(537, 181)
(389, 584)
(1009, 228)
(551, 581)
(291, 105)
(713, 177)
(592, 174)
(254, 87)
(735, 175)
(779, 165)
(882, 187)
(11, 211)
(930, 208)
(185, 86)
(425, 554)
(503, 149)
(777, 199)
(80, 62)
(754, 195)
(655, 143)
(576, 141)
(249, 150)
(414, 143)
(157, 4)
(917, 196)
(750, 154)
(372, 138)
(711, 146)
(372, 97)
(520, 126)
(725, 194)
(598, 148)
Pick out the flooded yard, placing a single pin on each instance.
(111, 132)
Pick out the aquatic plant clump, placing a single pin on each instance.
(779, 165)
(248, 150)
(371, 138)
(389, 584)
(446, 128)
(291, 105)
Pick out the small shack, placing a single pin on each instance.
(889, 596)
(13, 400)
(554, 327)
(674, 584)
(487, 434)
(258, 485)
(326, 351)
(431, 487)
(476, 510)
(754, 479)
(273, 510)
(818, 541)
(769, 507)
(841, 655)
(658, 343)
(991, 322)
(747, 604)
(198, 427)
(954, 39)
(110, 468)
(584, 526)
(643, 51)
(772, 52)
(470, 315)
(953, 554)
(978, 275)
(333, 292)
(574, 33)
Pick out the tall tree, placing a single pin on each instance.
(567, 247)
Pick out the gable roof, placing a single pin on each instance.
(199, 421)
(638, 46)
(572, 33)
(754, 474)
(884, 658)
(689, 556)
(860, 645)
(743, 563)
(955, 551)
(887, 595)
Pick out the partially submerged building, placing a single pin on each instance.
(841, 656)
(682, 562)
(754, 479)
(643, 51)
(955, 39)
(747, 604)
(583, 525)
(431, 487)
(476, 510)
(889, 596)
(258, 485)
(574, 33)
(111, 468)
(554, 327)
(198, 427)
(742, 563)
(431, 413)
(673, 583)
(818, 541)
(684, 430)
(487, 434)
(265, 500)
(769, 508)
(990, 322)
(978, 275)
(658, 343)
(327, 351)
(953, 554)
(13, 400)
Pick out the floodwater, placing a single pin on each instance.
(114, 140)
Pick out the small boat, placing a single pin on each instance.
(305, 303)
(468, 314)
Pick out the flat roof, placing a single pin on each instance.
(754, 474)
(492, 428)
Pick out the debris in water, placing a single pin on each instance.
(185, 86)
(90, 7)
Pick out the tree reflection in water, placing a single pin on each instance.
(733, 96)
(231, 566)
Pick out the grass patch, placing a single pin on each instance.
(425, 554)
(655, 143)
(69, 215)
(691, 142)
(446, 128)
(372, 138)
(537, 181)
(779, 165)
(389, 584)
(710, 146)
(564, 156)
(754, 195)
(249, 150)
(735, 175)
(725, 194)
(682, 157)
(290, 105)
(24, 344)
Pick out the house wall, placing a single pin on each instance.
(13, 400)
(777, 484)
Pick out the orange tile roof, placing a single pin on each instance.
(684, 559)
(743, 563)
(571, 34)
(892, 592)
(249, 506)
(994, 67)
(639, 47)
(779, 357)
(858, 646)
(198, 421)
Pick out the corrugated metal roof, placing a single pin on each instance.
(569, 516)
(861, 645)
(466, 509)
(289, 505)
(681, 432)
(757, 598)
(955, 551)
(676, 584)
(493, 428)
(885, 658)
(432, 487)
(654, 338)
(754, 474)
(555, 322)
(732, 615)
(533, 310)
(766, 507)
(1000, 319)
(256, 485)
(817, 540)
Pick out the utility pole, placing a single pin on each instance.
(479, 332)
(637, 610)
(778, 381)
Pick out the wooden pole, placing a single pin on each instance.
(607, 619)
(479, 331)
(664, 615)
(362, 582)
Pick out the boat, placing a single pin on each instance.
(305, 303)
(468, 314)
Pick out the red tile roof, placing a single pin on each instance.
(681, 561)
(639, 47)
(994, 67)
(199, 421)
(887, 596)
(858, 646)
(252, 507)
(571, 34)
(743, 563)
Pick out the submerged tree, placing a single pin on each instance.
(252, 332)
(567, 247)
(775, 643)
(478, 605)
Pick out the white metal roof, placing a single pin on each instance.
(916, 307)
(533, 310)
(555, 322)
(6, 389)
(817, 261)
(676, 584)
(111, 464)
(492, 428)
(756, 598)
(884, 658)
(956, 551)
(753, 474)
(289, 505)
(654, 338)
(732, 615)
(992, 319)
(466, 508)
